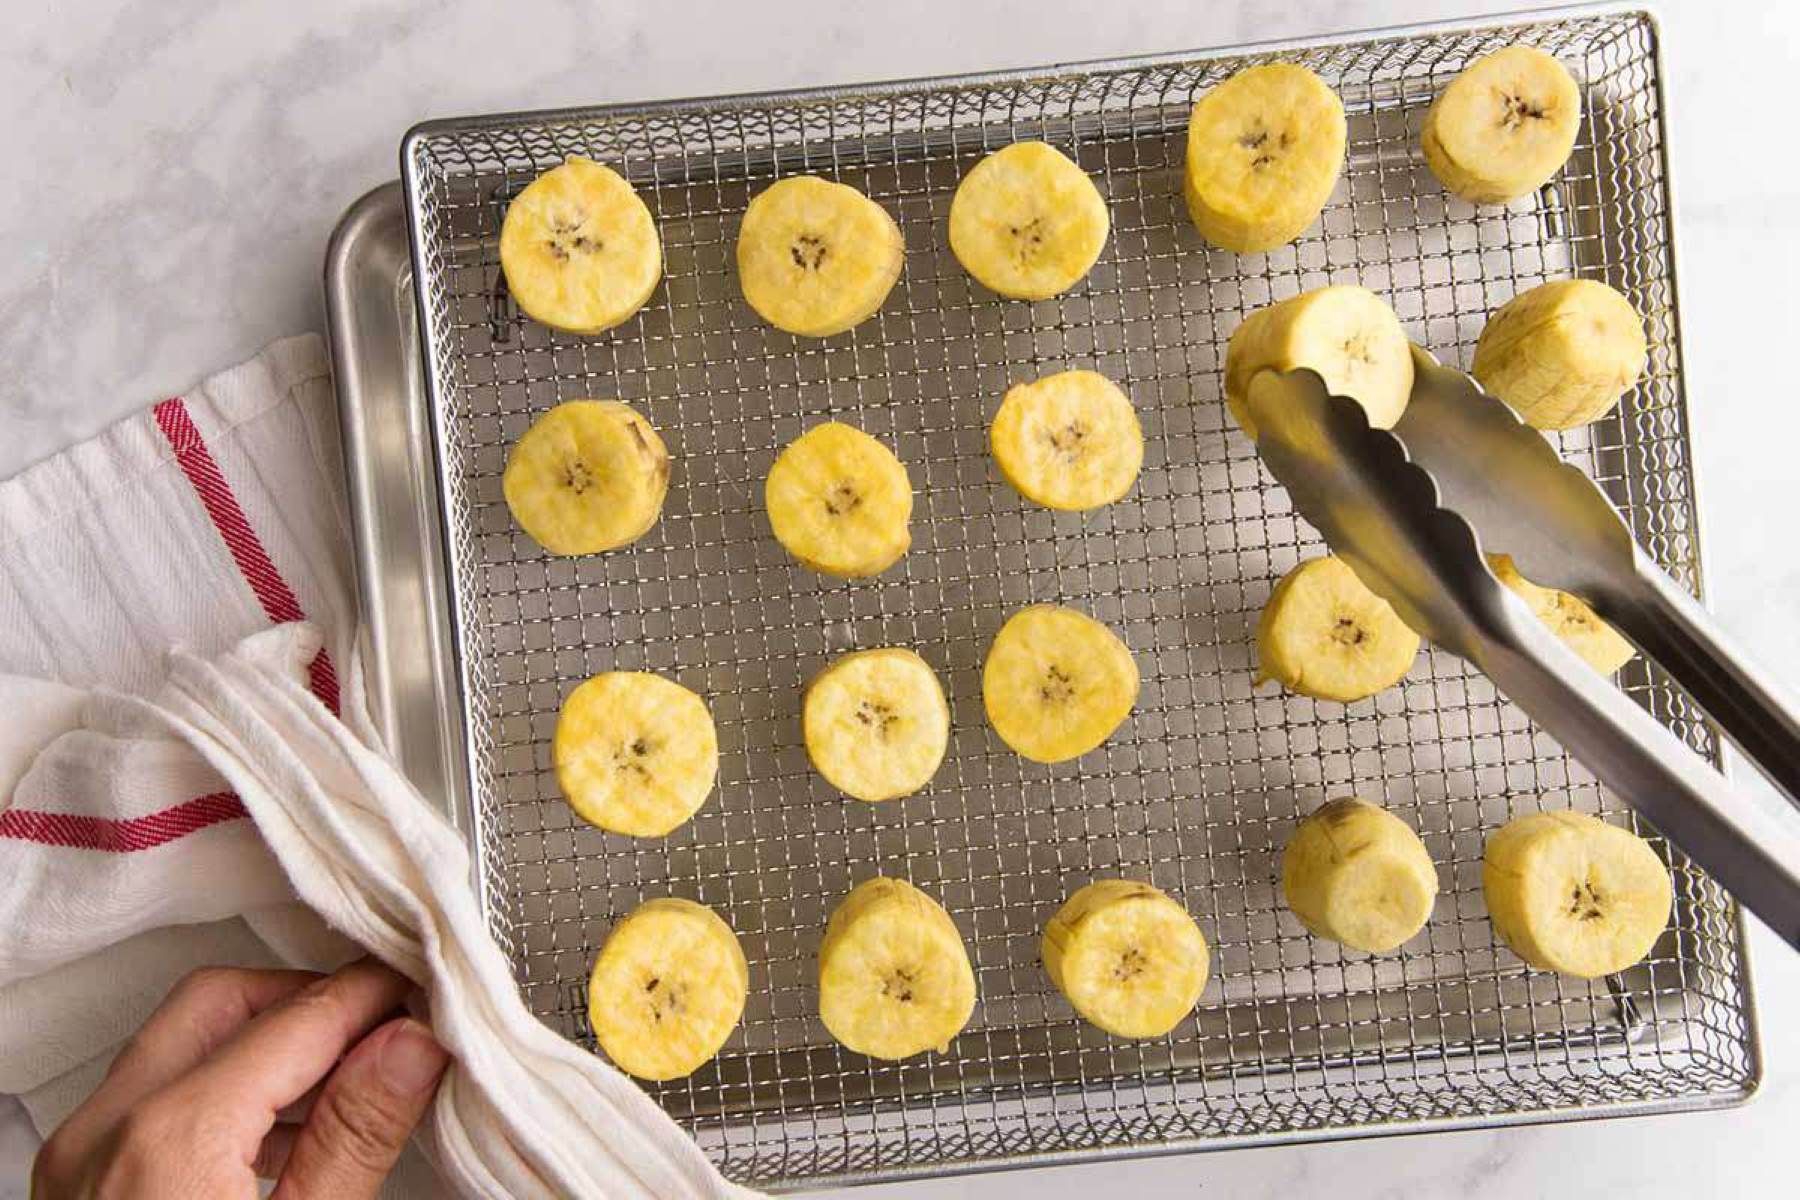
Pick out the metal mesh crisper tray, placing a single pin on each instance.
(1197, 792)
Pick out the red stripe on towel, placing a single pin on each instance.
(253, 561)
(80, 832)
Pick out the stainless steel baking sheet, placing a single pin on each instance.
(1294, 1038)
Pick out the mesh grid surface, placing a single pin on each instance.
(1199, 789)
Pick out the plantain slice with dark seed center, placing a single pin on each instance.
(817, 258)
(579, 248)
(588, 476)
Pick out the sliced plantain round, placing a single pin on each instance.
(1600, 645)
(876, 723)
(1563, 353)
(1069, 441)
(1324, 634)
(1057, 683)
(1570, 893)
(1355, 873)
(840, 502)
(589, 475)
(1027, 222)
(635, 753)
(1347, 334)
(894, 979)
(1264, 150)
(579, 249)
(816, 258)
(667, 989)
(1503, 127)
(1127, 956)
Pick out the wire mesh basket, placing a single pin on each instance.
(1198, 791)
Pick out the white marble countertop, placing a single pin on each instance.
(177, 167)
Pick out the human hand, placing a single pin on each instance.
(211, 1093)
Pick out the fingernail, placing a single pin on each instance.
(411, 1060)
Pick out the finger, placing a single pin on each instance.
(274, 1059)
(364, 1115)
(277, 1145)
(294, 1111)
(200, 1012)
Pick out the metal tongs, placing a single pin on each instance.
(1411, 510)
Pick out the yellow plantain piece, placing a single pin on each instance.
(1503, 127)
(1128, 957)
(1069, 441)
(579, 249)
(1264, 150)
(876, 723)
(589, 475)
(817, 258)
(1056, 683)
(635, 753)
(1563, 353)
(1027, 222)
(894, 979)
(1355, 873)
(840, 502)
(1600, 645)
(667, 989)
(1570, 893)
(1324, 634)
(1347, 334)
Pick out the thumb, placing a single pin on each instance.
(364, 1114)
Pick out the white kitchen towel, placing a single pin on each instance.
(197, 522)
(522, 1111)
(159, 784)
